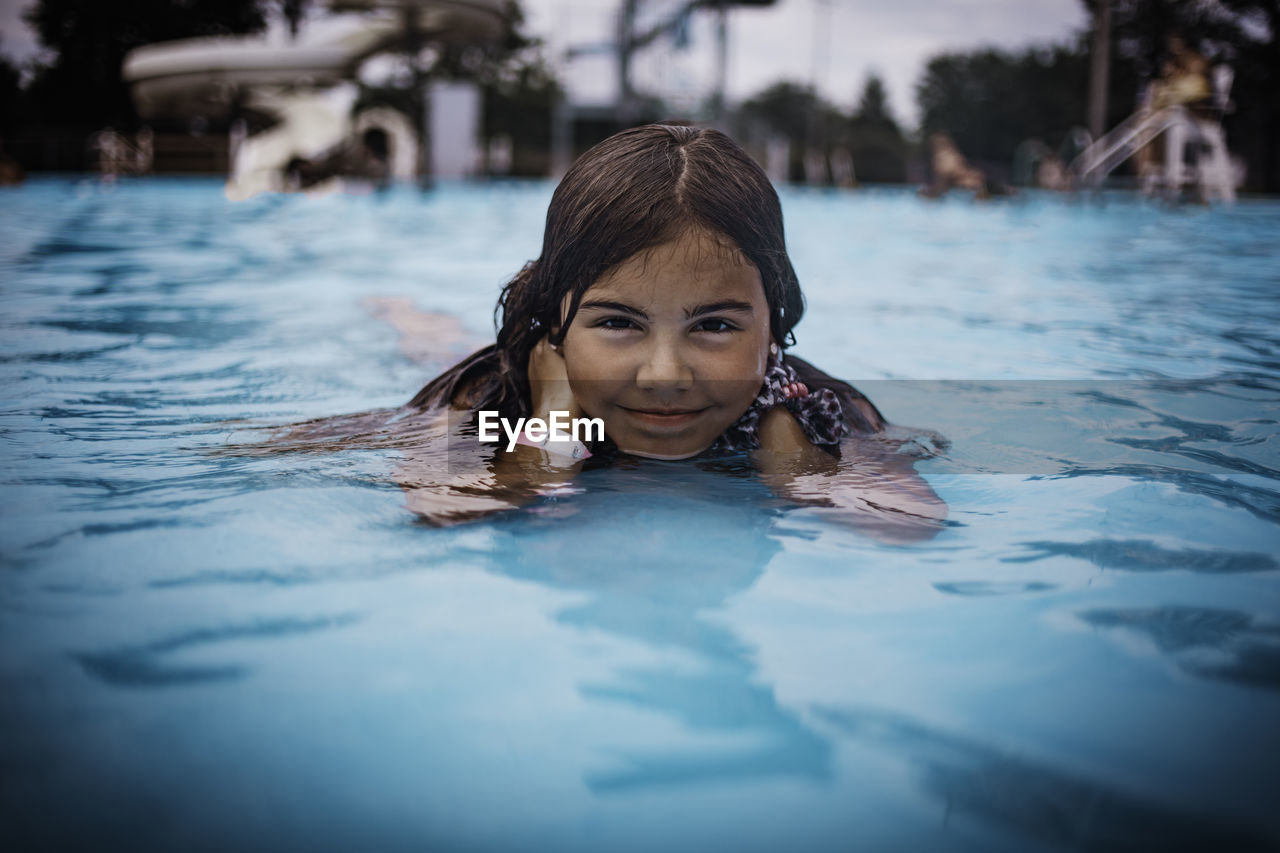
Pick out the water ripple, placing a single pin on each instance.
(1145, 556)
(1244, 651)
(146, 665)
(1039, 801)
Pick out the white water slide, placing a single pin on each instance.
(303, 82)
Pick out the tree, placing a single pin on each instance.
(82, 88)
(874, 139)
(10, 96)
(795, 112)
(518, 105)
(990, 101)
(518, 88)
(786, 109)
(873, 105)
(1253, 128)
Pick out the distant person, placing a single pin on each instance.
(11, 174)
(113, 153)
(1184, 82)
(952, 171)
(1184, 77)
(144, 153)
(1052, 173)
(1036, 165)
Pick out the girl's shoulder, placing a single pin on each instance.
(860, 414)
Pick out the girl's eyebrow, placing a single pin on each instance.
(695, 311)
(606, 305)
(716, 307)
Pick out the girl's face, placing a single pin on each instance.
(670, 347)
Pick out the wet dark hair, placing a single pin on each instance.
(634, 191)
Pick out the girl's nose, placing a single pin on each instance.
(664, 368)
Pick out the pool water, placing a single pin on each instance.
(207, 650)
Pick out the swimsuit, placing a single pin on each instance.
(818, 412)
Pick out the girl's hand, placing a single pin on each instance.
(780, 432)
(549, 383)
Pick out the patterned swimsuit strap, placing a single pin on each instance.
(818, 412)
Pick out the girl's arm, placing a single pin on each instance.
(425, 336)
(870, 488)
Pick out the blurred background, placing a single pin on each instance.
(983, 95)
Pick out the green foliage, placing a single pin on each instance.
(487, 63)
(797, 113)
(790, 110)
(991, 100)
(1253, 128)
(874, 139)
(518, 104)
(10, 96)
(807, 121)
(82, 87)
(873, 105)
(518, 87)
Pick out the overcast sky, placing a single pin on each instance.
(833, 43)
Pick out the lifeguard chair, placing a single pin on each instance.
(1188, 131)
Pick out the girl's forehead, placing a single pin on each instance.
(701, 247)
(695, 256)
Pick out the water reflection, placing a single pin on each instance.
(195, 324)
(1260, 502)
(1143, 555)
(148, 665)
(1219, 449)
(1035, 800)
(1241, 650)
(66, 356)
(975, 588)
(641, 587)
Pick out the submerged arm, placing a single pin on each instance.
(871, 488)
(483, 479)
(483, 487)
(425, 336)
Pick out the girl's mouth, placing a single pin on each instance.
(664, 417)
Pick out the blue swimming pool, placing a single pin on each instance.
(202, 650)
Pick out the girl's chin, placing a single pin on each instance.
(663, 451)
(664, 457)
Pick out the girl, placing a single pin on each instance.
(661, 305)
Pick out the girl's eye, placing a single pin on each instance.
(715, 324)
(616, 323)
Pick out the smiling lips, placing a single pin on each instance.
(664, 417)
